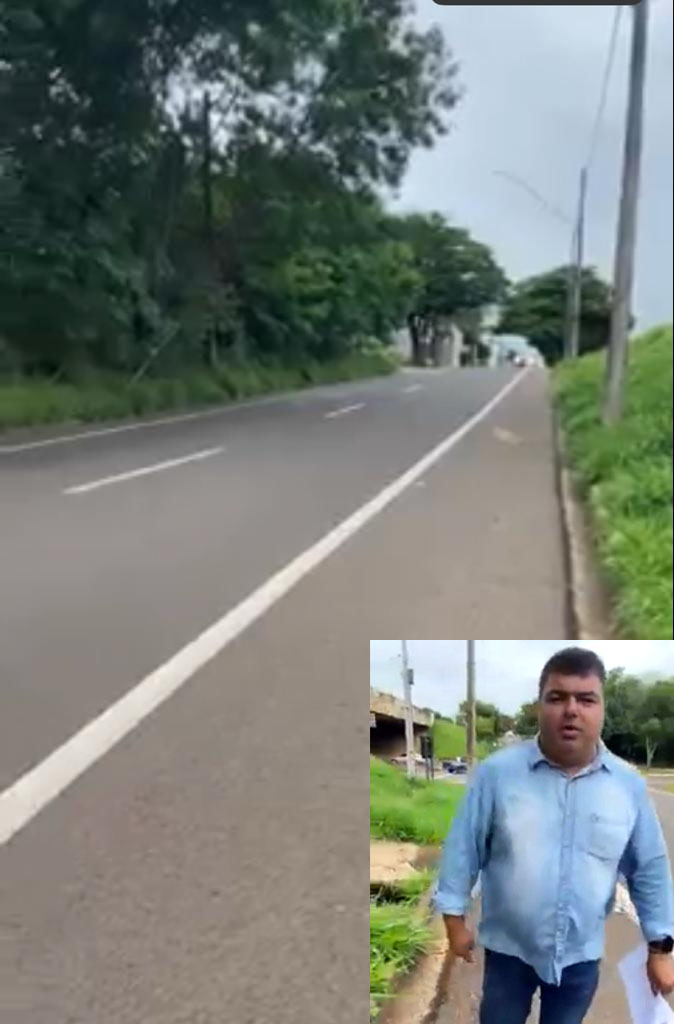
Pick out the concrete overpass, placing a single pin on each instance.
(387, 725)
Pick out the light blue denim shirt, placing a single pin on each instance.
(549, 848)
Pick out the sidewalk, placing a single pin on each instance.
(609, 1007)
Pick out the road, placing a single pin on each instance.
(203, 858)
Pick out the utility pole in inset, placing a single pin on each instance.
(616, 356)
(572, 337)
(470, 703)
(409, 714)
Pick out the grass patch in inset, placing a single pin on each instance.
(398, 936)
(449, 741)
(410, 810)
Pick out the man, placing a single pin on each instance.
(550, 823)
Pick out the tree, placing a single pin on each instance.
(536, 310)
(526, 720)
(655, 721)
(623, 696)
(457, 274)
(651, 732)
(490, 723)
(134, 228)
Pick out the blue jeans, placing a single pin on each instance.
(510, 984)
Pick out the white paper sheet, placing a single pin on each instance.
(644, 1006)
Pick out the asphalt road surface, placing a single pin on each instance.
(203, 858)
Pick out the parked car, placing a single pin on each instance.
(455, 767)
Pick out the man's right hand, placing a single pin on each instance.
(461, 939)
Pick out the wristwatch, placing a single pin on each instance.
(665, 945)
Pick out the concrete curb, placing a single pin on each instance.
(589, 616)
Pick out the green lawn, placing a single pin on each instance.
(31, 401)
(449, 741)
(410, 810)
(626, 475)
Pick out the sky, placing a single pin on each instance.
(532, 79)
(506, 671)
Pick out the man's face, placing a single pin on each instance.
(571, 717)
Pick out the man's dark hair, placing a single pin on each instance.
(572, 661)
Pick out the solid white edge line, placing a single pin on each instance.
(162, 421)
(201, 414)
(132, 474)
(38, 787)
(343, 411)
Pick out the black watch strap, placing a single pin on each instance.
(665, 945)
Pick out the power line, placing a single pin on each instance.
(559, 214)
(603, 96)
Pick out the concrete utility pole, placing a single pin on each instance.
(409, 714)
(623, 278)
(470, 699)
(576, 276)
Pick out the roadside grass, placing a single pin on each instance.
(410, 810)
(28, 401)
(625, 473)
(449, 741)
(405, 891)
(398, 936)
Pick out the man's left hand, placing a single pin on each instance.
(660, 970)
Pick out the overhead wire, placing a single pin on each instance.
(603, 95)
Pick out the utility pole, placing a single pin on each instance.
(409, 714)
(207, 189)
(576, 275)
(470, 702)
(623, 278)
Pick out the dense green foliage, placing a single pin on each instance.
(536, 309)
(626, 472)
(458, 277)
(639, 722)
(189, 184)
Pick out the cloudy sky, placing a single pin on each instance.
(532, 78)
(507, 671)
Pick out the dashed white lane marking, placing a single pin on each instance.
(132, 474)
(343, 411)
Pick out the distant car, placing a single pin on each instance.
(456, 767)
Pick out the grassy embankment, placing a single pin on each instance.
(413, 811)
(32, 401)
(449, 741)
(625, 474)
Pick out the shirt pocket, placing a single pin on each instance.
(606, 837)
